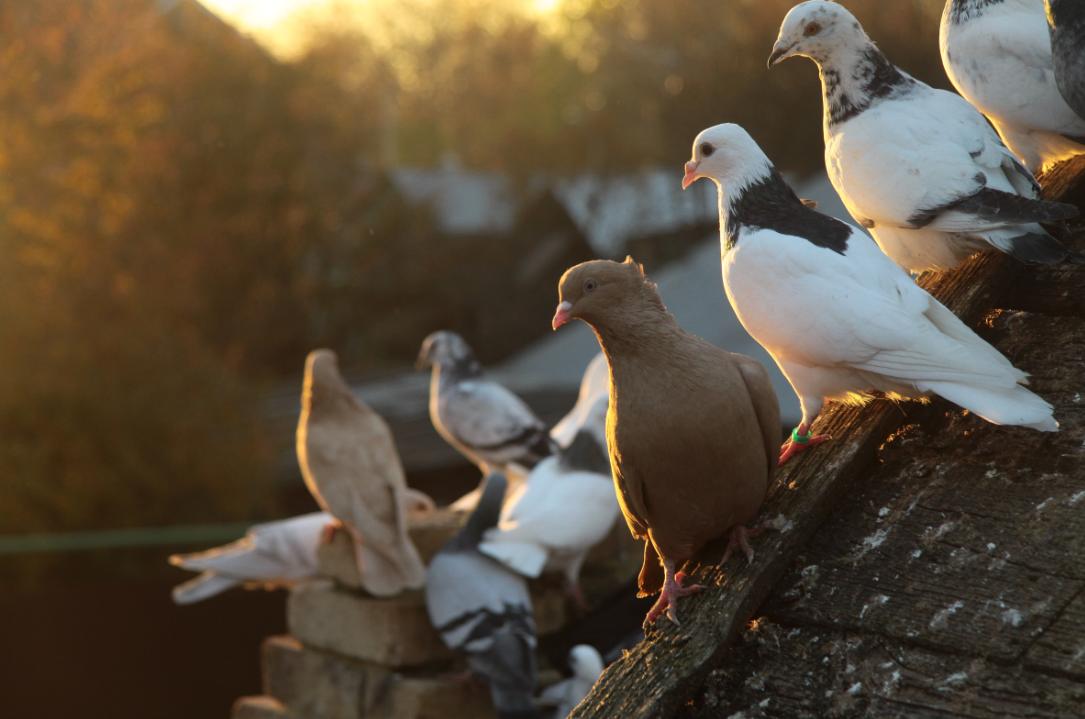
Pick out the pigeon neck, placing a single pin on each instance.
(457, 370)
(960, 11)
(854, 77)
(487, 513)
(635, 329)
(735, 194)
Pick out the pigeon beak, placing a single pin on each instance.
(691, 175)
(562, 315)
(779, 54)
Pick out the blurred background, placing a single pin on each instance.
(193, 195)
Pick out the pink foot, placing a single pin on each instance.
(328, 533)
(574, 593)
(668, 598)
(740, 539)
(800, 440)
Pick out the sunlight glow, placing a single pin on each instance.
(256, 15)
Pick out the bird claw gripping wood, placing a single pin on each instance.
(801, 439)
(668, 599)
(740, 539)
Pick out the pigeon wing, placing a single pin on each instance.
(486, 417)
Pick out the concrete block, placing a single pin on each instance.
(258, 707)
(435, 698)
(429, 532)
(316, 684)
(392, 632)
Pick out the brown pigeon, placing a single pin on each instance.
(693, 431)
(351, 467)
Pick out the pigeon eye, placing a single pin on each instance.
(812, 28)
(707, 149)
(590, 285)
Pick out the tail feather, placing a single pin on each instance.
(1017, 406)
(202, 586)
(385, 574)
(1035, 246)
(521, 557)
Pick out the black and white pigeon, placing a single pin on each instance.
(997, 53)
(483, 611)
(1066, 20)
(566, 507)
(841, 319)
(480, 418)
(919, 167)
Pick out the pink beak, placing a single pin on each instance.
(561, 315)
(691, 174)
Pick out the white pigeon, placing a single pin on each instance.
(997, 53)
(586, 413)
(919, 167)
(1066, 20)
(480, 418)
(565, 508)
(587, 666)
(483, 611)
(349, 461)
(273, 554)
(841, 319)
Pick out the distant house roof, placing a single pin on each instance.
(613, 210)
(463, 201)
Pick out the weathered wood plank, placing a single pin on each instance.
(787, 672)
(655, 677)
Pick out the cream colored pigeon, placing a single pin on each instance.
(349, 461)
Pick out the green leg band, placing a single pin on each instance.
(801, 438)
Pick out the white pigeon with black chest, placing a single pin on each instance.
(919, 167)
(1066, 22)
(997, 53)
(480, 418)
(483, 611)
(840, 318)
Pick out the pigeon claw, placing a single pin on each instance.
(801, 439)
(668, 599)
(740, 539)
(328, 533)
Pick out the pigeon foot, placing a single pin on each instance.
(801, 439)
(574, 592)
(328, 533)
(668, 597)
(740, 539)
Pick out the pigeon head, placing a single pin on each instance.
(727, 155)
(323, 382)
(447, 350)
(600, 290)
(817, 29)
(585, 662)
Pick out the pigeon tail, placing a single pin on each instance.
(201, 587)
(1037, 247)
(521, 557)
(388, 574)
(1016, 406)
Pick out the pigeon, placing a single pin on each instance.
(566, 507)
(997, 53)
(586, 665)
(349, 461)
(863, 324)
(594, 393)
(919, 167)
(1066, 19)
(692, 430)
(273, 554)
(481, 419)
(483, 611)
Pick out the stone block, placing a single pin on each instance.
(318, 685)
(429, 532)
(258, 707)
(393, 632)
(435, 698)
